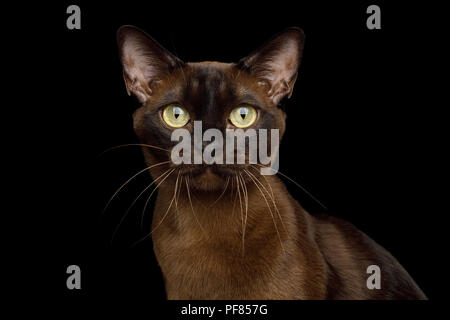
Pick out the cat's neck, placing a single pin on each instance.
(252, 210)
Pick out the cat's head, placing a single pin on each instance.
(175, 94)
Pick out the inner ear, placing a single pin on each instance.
(144, 61)
(275, 64)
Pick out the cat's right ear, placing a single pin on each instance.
(145, 62)
(275, 64)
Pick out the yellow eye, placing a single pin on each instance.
(243, 116)
(175, 115)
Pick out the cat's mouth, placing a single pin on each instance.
(209, 177)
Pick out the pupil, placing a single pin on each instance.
(243, 113)
(176, 112)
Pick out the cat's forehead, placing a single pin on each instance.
(209, 73)
(208, 86)
(220, 80)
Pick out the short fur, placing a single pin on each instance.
(207, 244)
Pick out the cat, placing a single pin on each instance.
(224, 231)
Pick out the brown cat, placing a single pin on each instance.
(224, 231)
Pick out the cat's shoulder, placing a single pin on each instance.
(349, 252)
(344, 236)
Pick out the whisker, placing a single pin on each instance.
(149, 197)
(177, 193)
(192, 207)
(268, 206)
(126, 182)
(179, 190)
(242, 214)
(267, 181)
(232, 188)
(163, 218)
(132, 204)
(271, 197)
(298, 185)
(246, 211)
(235, 196)
(223, 192)
(244, 185)
(132, 145)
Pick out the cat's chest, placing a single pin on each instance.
(188, 246)
(210, 271)
(216, 271)
(209, 254)
(213, 256)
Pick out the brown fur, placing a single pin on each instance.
(198, 221)
(321, 257)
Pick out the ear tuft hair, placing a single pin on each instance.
(276, 63)
(144, 61)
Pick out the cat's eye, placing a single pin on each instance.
(175, 115)
(243, 116)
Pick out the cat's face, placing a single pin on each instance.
(222, 96)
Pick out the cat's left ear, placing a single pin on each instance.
(275, 64)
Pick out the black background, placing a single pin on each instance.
(354, 133)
